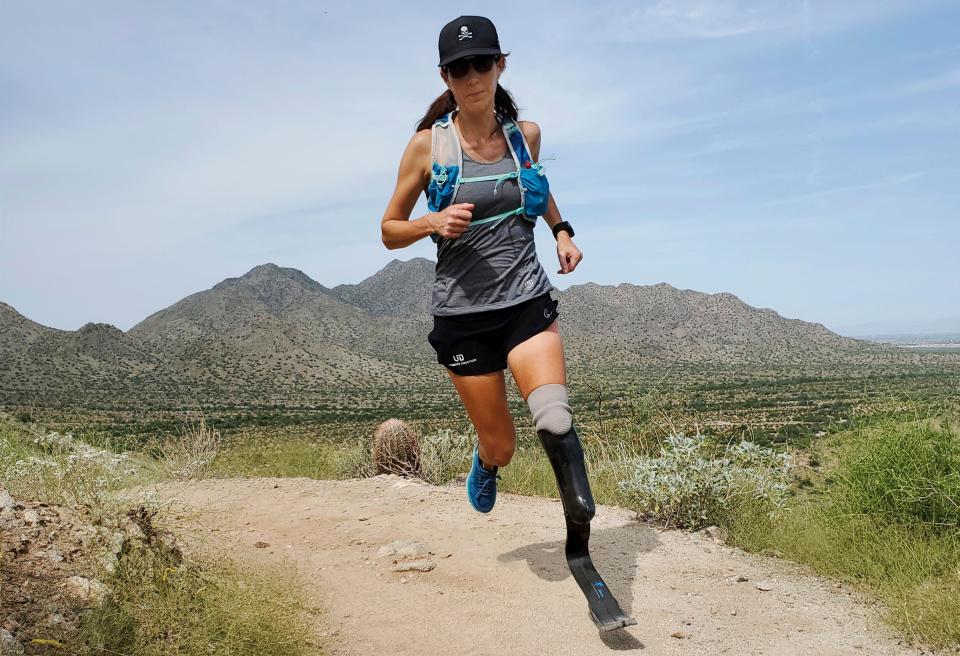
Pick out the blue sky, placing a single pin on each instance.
(801, 155)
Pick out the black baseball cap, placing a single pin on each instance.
(468, 35)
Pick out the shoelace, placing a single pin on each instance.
(485, 486)
(489, 474)
(487, 477)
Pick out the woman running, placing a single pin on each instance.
(491, 301)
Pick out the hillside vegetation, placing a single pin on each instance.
(276, 335)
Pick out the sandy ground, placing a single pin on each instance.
(500, 583)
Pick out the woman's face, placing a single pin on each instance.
(475, 90)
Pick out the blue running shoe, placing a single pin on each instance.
(481, 485)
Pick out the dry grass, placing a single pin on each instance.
(199, 605)
(191, 452)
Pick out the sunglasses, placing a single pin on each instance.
(480, 63)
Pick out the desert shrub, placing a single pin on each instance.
(59, 469)
(191, 452)
(396, 449)
(687, 487)
(352, 458)
(160, 602)
(444, 454)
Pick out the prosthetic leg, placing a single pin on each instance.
(566, 457)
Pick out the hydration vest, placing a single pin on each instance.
(445, 176)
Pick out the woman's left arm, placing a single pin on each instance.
(567, 251)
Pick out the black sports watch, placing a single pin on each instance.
(563, 225)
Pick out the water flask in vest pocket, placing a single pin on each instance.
(536, 189)
(443, 182)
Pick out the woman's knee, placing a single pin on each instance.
(499, 451)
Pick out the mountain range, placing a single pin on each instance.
(275, 332)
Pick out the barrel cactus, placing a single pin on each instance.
(396, 449)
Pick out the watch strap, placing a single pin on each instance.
(563, 225)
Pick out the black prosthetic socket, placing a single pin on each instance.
(566, 457)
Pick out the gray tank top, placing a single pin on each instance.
(493, 265)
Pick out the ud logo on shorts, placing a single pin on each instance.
(547, 313)
(458, 360)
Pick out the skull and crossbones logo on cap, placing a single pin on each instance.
(465, 33)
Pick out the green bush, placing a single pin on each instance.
(902, 473)
(687, 487)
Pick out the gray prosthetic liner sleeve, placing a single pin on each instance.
(566, 458)
(549, 408)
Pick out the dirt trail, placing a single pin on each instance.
(505, 588)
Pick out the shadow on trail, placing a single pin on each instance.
(614, 552)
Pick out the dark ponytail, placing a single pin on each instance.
(439, 107)
(503, 103)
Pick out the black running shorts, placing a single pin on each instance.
(478, 342)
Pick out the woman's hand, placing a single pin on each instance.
(568, 253)
(452, 220)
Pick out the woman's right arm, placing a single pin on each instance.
(396, 227)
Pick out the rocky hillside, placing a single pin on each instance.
(274, 330)
(631, 324)
(33, 356)
(399, 289)
(273, 326)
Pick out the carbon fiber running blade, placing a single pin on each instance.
(604, 609)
